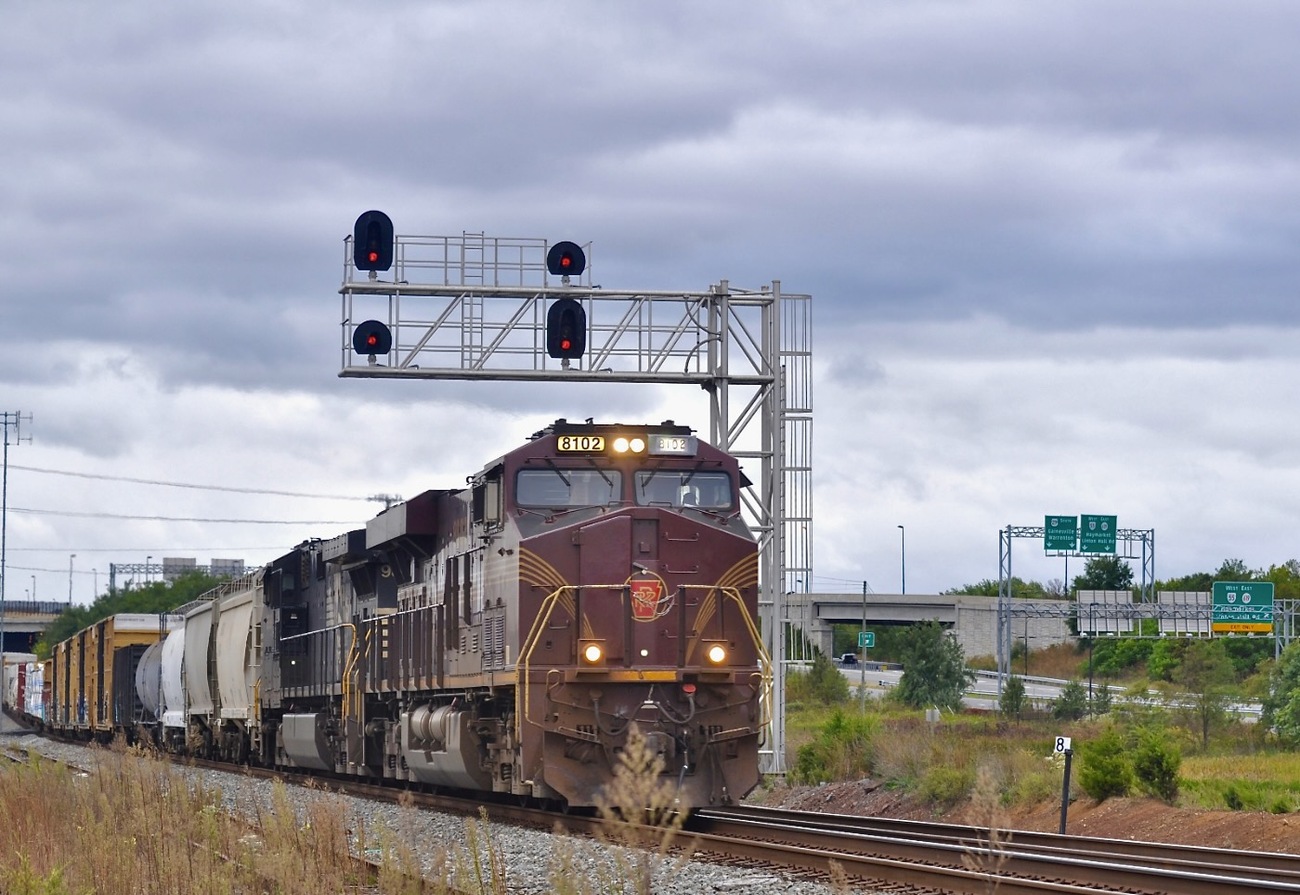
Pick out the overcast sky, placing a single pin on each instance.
(1051, 249)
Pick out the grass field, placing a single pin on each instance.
(946, 762)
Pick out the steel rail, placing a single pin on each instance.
(1111, 865)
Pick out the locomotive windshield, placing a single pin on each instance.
(684, 488)
(557, 487)
(560, 487)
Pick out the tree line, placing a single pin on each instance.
(151, 598)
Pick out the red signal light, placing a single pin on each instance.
(566, 258)
(566, 329)
(372, 241)
(372, 337)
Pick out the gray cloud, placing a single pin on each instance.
(1051, 248)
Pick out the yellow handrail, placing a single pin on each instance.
(764, 660)
(526, 653)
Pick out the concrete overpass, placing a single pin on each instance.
(974, 620)
(25, 621)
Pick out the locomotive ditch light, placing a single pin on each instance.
(624, 445)
(715, 653)
(591, 652)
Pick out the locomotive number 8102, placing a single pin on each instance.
(580, 444)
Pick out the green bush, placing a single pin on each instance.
(822, 683)
(842, 750)
(945, 786)
(1232, 798)
(1155, 764)
(1039, 783)
(1249, 795)
(1104, 767)
(1072, 704)
(1013, 701)
(1115, 656)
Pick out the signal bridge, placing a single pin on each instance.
(471, 307)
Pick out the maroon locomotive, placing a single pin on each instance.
(509, 633)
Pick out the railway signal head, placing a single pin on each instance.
(566, 259)
(566, 329)
(372, 242)
(372, 338)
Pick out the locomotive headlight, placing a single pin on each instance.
(625, 445)
(592, 653)
(716, 654)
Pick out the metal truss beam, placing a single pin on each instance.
(1125, 539)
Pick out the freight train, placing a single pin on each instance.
(502, 636)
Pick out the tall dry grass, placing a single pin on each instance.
(131, 824)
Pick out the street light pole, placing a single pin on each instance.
(902, 542)
(862, 652)
(71, 557)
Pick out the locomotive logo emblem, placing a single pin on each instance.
(650, 597)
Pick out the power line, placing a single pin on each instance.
(80, 550)
(122, 478)
(181, 518)
(854, 581)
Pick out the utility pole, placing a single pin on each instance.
(9, 419)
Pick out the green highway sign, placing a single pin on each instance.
(1242, 607)
(866, 639)
(1097, 534)
(1060, 532)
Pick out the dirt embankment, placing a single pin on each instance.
(1128, 818)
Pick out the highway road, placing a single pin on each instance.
(983, 694)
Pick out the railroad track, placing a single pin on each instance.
(906, 856)
(914, 856)
(952, 858)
